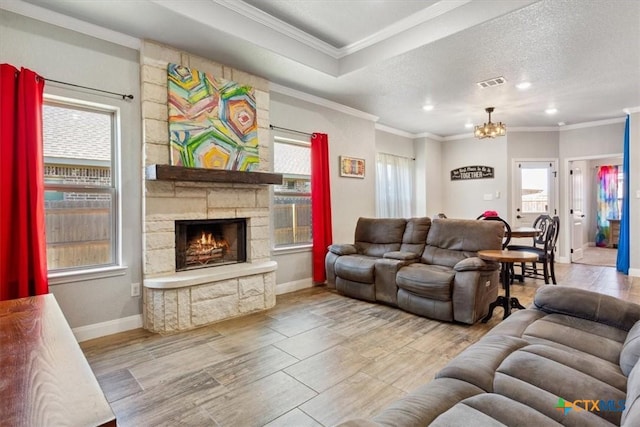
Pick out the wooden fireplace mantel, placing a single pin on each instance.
(181, 173)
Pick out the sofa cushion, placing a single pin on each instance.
(490, 409)
(574, 334)
(631, 414)
(376, 236)
(556, 379)
(357, 268)
(429, 281)
(478, 363)
(630, 350)
(415, 235)
(588, 305)
(423, 405)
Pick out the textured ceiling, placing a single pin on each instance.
(389, 58)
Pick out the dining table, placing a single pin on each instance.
(518, 232)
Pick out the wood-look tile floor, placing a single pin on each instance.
(316, 359)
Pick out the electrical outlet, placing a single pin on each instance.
(135, 289)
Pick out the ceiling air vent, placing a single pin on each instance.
(496, 81)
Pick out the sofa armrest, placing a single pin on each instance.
(343, 249)
(587, 305)
(475, 264)
(402, 256)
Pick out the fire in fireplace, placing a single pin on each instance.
(207, 243)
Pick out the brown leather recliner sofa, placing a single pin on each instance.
(572, 359)
(425, 267)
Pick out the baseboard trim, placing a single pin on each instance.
(635, 272)
(296, 285)
(97, 330)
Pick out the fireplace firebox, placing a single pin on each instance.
(208, 243)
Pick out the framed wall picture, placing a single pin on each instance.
(351, 167)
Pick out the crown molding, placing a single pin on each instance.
(458, 137)
(274, 87)
(430, 136)
(533, 129)
(50, 17)
(394, 131)
(592, 124)
(280, 26)
(631, 110)
(431, 12)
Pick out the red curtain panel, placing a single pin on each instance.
(23, 260)
(320, 203)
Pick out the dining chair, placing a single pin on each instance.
(544, 246)
(507, 228)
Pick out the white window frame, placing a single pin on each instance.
(293, 248)
(116, 268)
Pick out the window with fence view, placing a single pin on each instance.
(80, 192)
(292, 199)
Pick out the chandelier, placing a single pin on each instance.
(490, 130)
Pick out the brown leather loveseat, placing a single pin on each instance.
(425, 267)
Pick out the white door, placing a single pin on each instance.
(576, 174)
(534, 191)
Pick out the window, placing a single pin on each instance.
(394, 186)
(80, 185)
(292, 199)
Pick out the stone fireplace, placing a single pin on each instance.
(218, 289)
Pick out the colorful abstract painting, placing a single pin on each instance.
(212, 121)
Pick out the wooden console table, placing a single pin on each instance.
(45, 378)
(507, 258)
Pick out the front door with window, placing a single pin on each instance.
(534, 191)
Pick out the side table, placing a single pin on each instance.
(506, 258)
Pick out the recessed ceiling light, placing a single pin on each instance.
(427, 107)
(551, 110)
(561, 123)
(468, 125)
(523, 85)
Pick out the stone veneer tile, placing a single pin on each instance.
(258, 83)
(159, 208)
(259, 221)
(214, 310)
(260, 248)
(262, 197)
(147, 307)
(155, 226)
(193, 192)
(155, 75)
(159, 189)
(254, 303)
(153, 110)
(155, 154)
(252, 213)
(263, 98)
(215, 213)
(159, 261)
(155, 93)
(269, 290)
(184, 309)
(170, 310)
(159, 55)
(231, 198)
(205, 65)
(157, 132)
(250, 286)
(160, 240)
(214, 290)
(158, 310)
(259, 232)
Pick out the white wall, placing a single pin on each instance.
(465, 198)
(429, 177)
(583, 143)
(65, 55)
(351, 198)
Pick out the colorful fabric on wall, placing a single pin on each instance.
(23, 256)
(607, 201)
(212, 121)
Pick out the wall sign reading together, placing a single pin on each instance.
(472, 172)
